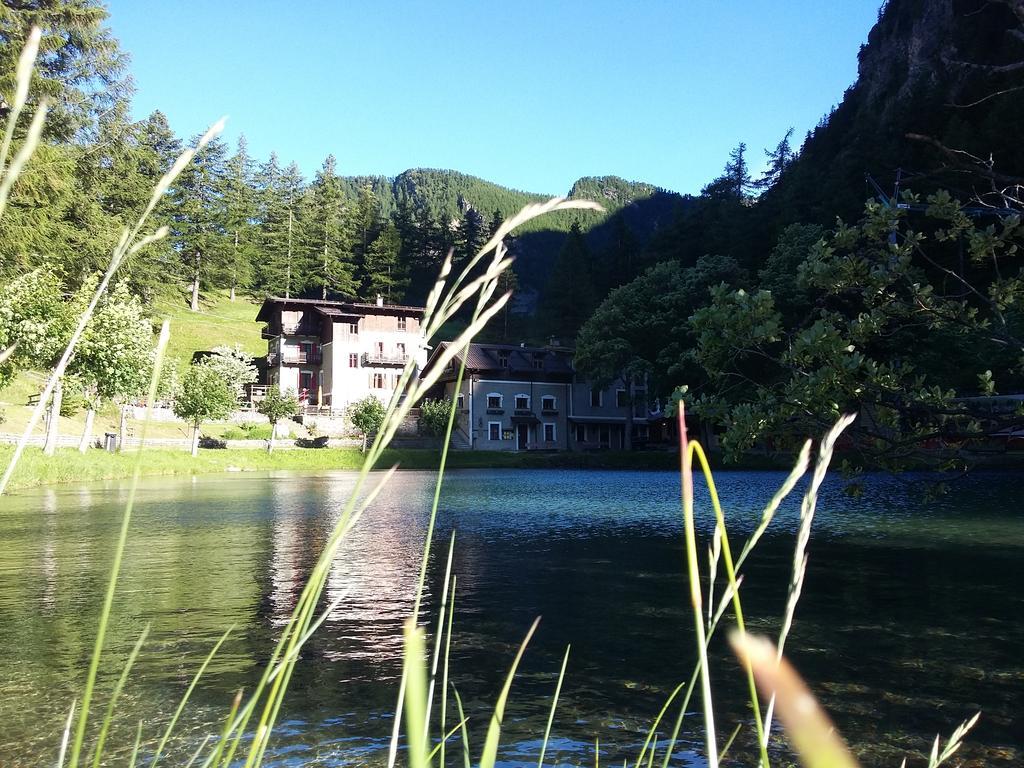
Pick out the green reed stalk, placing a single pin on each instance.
(135, 747)
(444, 673)
(109, 716)
(184, 699)
(119, 547)
(490, 753)
(686, 470)
(439, 634)
(554, 705)
(654, 726)
(465, 730)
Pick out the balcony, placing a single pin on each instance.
(378, 359)
(295, 357)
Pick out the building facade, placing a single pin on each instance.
(519, 398)
(332, 353)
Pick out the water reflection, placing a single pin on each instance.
(909, 622)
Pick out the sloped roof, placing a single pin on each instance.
(487, 358)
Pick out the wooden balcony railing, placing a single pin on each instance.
(383, 360)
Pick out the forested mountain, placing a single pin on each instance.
(778, 303)
(750, 288)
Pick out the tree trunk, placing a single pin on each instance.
(53, 423)
(627, 438)
(195, 285)
(90, 417)
(195, 439)
(122, 428)
(364, 442)
(273, 434)
(231, 296)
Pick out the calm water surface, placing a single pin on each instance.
(911, 618)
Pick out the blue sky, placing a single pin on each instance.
(532, 95)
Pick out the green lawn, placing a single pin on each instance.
(220, 321)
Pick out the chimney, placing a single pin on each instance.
(380, 300)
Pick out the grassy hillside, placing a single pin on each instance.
(220, 321)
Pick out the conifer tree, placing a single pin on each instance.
(240, 216)
(570, 296)
(384, 276)
(329, 235)
(200, 220)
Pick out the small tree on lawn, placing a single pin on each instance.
(276, 406)
(204, 396)
(114, 357)
(434, 417)
(235, 367)
(367, 415)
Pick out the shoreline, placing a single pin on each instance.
(70, 466)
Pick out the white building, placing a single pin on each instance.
(332, 353)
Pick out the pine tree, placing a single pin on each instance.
(200, 221)
(279, 195)
(82, 69)
(570, 295)
(240, 214)
(329, 236)
(779, 159)
(384, 276)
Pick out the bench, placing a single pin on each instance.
(34, 399)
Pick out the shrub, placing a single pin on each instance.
(212, 442)
(434, 417)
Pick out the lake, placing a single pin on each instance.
(910, 620)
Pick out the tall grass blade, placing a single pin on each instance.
(444, 673)
(439, 635)
(23, 79)
(109, 716)
(466, 762)
(953, 744)
(796, 583)
(490, 753)
(654, 726)
(416, 695)
(195, 755)
(226, 731)
(66, 735)
(554, 706)
(135, 747)
(115, 567)
(28, 148)
(686, 473)
(810, 731)
(184, 699)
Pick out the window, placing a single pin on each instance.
(401, 324)
(503, 359)
(523, 402)
(377, 381)
(353, 359)
(538, 361)
(547, 403)
(494, 400)
(353, 328)
(401, 351)
(379, 346)
(581, 433)
(549, 433)
(620, 398)
(596, 398)
(460, 401)
(494, 430)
